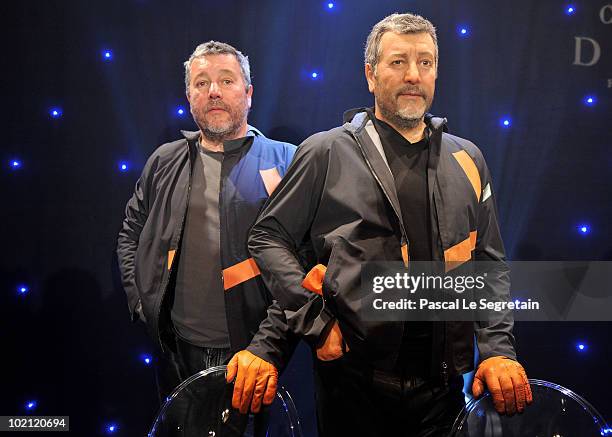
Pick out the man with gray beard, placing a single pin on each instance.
(182, 249)
(389, 185)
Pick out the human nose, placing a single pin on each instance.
(412, 73)
(214, 91)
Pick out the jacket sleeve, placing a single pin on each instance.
(274, 341)
(280, 232)
(493, 336)
(136, 213)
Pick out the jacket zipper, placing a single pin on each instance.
(404, 239)
(443, 364)
(444, 372)
(176, 254)
(227, 318)
(397, 216)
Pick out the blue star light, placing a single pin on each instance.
(55, 112)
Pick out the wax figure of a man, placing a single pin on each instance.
(388, 185)
(183, 250)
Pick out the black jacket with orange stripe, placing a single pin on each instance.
(149, 241)
(339, 198)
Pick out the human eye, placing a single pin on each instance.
(227, 82)
(427, 62)
(397, 62)
(202, 83)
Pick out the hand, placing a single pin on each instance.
(313, 280)
(334, 346)
(256, 381)
(507, 382)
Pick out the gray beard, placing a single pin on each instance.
(402, 122)
(218, 135)
(221, 133)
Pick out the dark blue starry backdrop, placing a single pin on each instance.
(90, 89)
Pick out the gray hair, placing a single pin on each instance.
(397, 23)
(218, 48)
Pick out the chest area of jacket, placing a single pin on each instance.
(244, 183)
(354, 200)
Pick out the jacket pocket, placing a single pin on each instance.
(329, 285)
(342, 282)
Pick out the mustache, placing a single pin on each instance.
(412, 90)
(216, 105)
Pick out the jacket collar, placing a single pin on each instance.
(356, 118)
(368, 141)
(358, 123)
(193, 136)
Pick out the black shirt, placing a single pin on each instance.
(408, 164)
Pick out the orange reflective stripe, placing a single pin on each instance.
(473, 236)
(170, 258)
(461, 252)
(405, 255)
(313, 280)
(239, 273)
(470, 170)
(271, 178)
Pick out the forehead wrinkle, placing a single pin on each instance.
(398, 54)
(221, 71)
(227, 71)
(396, 41)
(217, 59)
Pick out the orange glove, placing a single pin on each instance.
(334, 346)
(256, 380)
(507, 382)
(313, 280)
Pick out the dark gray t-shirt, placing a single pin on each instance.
(198, 312)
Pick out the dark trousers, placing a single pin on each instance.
(175, 367)
(353, 399)
(192, 412)
(198, 411)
